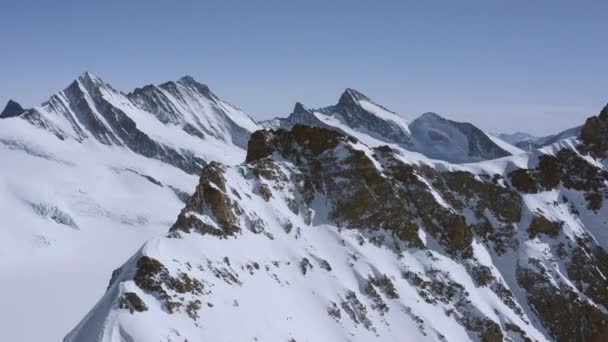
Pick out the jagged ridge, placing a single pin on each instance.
(431, 135)
(378, 247)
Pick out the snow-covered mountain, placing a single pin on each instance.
(90, 175)
(348, 223)
(169, 122)
(527, 142)
(514, 138)
(318, 236)
(431, 135)
(456, 142)
(531, 144)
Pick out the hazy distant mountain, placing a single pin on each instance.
(430, 134)
(514, 138)
(529, 142)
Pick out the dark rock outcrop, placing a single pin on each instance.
(11, 109)
(594, 133)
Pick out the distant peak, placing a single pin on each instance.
(431, 116)
(355, 94)
(89, 82)
(189, 81)
(300, 108)
(11, 109)
(89, 77)
(351, 97)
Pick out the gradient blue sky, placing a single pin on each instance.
(537, 66)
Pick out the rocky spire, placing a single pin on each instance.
(300, 108)
(11, 109)
(350, 97)
(190, 82)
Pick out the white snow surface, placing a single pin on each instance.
(73, 210)
(273, 299)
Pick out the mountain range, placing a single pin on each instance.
(528, 142)
(346, 222)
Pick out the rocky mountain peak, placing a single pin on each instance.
(190, 82)
(11, 109)
(350, 97)
(88, 76)
(88, 82)
(187, 79)
(431, 116)
(299, 108)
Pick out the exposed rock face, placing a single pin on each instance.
(173, 102)
(389, 248)
(265, 143)
(11, 109)
(355, 115)
(209, 200)
(566, 168)
(593, 135)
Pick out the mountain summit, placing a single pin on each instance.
(351, 97)
(431, 135)
(456, 142)
(11, 109)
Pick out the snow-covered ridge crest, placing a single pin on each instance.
(171, 122)
(87, 177)
(321, 237)
(434, 137)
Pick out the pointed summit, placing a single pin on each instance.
(190, 82)
(89, 82)
(300, 108)
(11, 109)
(187, 79)
(88, 77)
(351, 97)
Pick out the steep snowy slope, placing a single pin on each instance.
(456, 142)
(319, 237)
(89, 176)
(430, 135)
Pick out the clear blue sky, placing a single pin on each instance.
(538, 66)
